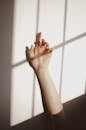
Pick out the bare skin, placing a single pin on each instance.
(40, 67)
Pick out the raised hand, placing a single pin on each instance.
(39, 54)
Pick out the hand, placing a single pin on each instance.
(39, 55)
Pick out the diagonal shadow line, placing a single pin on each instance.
(55, 47)
(69, 41)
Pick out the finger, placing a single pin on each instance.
(27, 49)
(32, 51)
(31, 47)
(27, 53)
(43, 42)
(38, 37)
(36, 49)
(46, 45)
(48, 50)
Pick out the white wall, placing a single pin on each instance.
(51, 22)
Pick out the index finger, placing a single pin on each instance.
(38, 37)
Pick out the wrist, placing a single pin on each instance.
(41, 70)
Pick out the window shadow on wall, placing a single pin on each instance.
(76, 110)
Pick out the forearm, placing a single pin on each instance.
(50, 94)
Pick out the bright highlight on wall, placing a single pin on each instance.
(59, 20)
